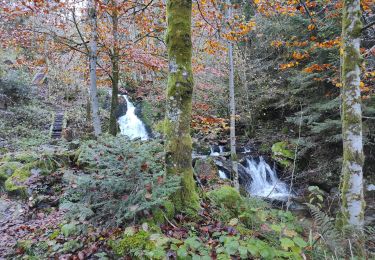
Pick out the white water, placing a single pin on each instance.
(265, 182)
(222, 174)
(213, 153)
(247, 150)
(221, 150)
(130, 124)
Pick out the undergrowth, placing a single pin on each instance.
(118, 180)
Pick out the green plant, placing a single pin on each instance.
(330, 235)
(316, 196)
(121, 179)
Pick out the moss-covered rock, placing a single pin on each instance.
(7, 169)
(227, 196)
(282, 153)
(17, 183)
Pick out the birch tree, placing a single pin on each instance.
(353, 203)
(178, 143)
(232, 108)
(93, 57)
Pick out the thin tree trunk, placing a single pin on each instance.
(353, 203)
(93, 60)
(178, 143)
(232, 106)
(115, 72)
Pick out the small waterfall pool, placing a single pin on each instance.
(130, 124)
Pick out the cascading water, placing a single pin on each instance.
(217, 150)
(256, 174)
(130, 124)
(265, 182)
(222, 174)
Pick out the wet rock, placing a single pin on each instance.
(206, 169)
(122, 107)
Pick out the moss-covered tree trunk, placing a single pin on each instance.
(352, 183)
(232, 108)
(115, 71)
(178, 143)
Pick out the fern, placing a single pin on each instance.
(330, 235)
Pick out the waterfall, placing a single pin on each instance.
(256, 175)
(222, 174)
(265, 182)
(217, 150)
(130, 124)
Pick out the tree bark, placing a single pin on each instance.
(93, 57)
(353, 203)
(115, 71)
(232, 108)
(178, 143)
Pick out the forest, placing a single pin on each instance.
(187, 129)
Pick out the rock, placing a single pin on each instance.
(10, 210)
(16, 184)
(206, 169)
(122, 107)
(27, 164)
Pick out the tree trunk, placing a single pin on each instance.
(178, 143)
(353, 203)
(93, 60)
(232, 108)
(115, 72)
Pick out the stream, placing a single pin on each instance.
(256, 175)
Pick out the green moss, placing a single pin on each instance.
(281, 152)
(227, 196)
(25, 157)
(71, 246)
(69, 229)
(7, 169)
(178, 145)
(167, 210)
(16, 182)
(159, 126)
(132, 243)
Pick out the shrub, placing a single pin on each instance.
(126, 178)
(16, 90)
